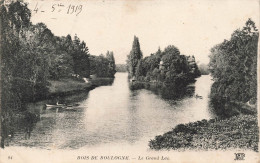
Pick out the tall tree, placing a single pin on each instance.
(112, 64)
(81, 58)
(233, 65)
(134, 56)
(14, 18)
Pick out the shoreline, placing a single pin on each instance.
(238, 131)
(67, 87)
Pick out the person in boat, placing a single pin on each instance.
(197, 96)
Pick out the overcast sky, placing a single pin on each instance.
(192, 26)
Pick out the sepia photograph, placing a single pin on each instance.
(129, 81)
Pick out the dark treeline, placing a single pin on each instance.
(233, 66)
(103, 66)
(31, 55)
(121, 68)
(168, 66)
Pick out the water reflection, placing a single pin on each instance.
(165, 91)
(113, 114)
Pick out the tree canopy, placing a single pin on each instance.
(134, 56)
(167, 66)
(233, 66)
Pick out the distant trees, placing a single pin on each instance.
(103, 66)
(111, 63)
(167, 66)
(204, 69)
(121, 68)
(233, 65)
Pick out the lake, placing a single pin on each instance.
(112, 115)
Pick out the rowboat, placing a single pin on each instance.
(55, 106)
(197, 96)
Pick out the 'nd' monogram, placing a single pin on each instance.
(240, 156)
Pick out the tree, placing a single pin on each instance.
(170, 55)
(103, 66)
(166, 66)
(30, 55)
(14, 18)
(112, 64)
(233, 65)
(139, 69)
(134, 56)
(80, 58)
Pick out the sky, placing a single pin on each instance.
(192, 26)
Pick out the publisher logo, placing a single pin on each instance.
(239, 156)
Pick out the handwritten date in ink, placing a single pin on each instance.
(60, 7)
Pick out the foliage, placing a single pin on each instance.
(133, 58)
(166, 66)
(233, 66)
(121, 68)
(237, 132)
(31, 55)
(103, 66)
(81, 58)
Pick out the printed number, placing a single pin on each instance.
(10, 157)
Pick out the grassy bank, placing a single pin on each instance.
(70, 86)
(67, 85)
(239, 131)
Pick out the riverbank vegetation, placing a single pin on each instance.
(32, 57)
(168, 66)
(236, 132)
(233, 66)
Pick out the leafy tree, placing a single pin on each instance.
(233, 66)
(80, 58)
(134, 56)
(139, 69)
(103, 66)
(166, 66)
(13, 19)
(111, 62)
(121, 68)
(30, 56)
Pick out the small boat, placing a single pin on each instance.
(197, 96)
(48, 105)
(72, 105)
(55, 106)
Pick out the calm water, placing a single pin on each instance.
(112, 114)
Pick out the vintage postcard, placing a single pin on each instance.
(129, 81)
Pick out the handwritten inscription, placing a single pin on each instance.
(61, 8)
